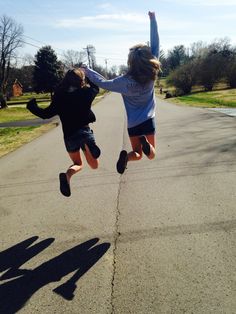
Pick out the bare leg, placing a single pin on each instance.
(76, 167)
(93, 163)
(64, 178)
(151, 139)
(136, 153)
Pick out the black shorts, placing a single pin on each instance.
(77, 140)
(145, 128)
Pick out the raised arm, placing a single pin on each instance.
(154, 36)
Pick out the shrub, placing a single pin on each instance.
(210, 70)
(183, 78)
(230, 73)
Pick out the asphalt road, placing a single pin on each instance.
(158, 239)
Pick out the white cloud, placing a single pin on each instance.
(129, 22)
(103, 21)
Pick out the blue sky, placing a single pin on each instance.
(113, 26)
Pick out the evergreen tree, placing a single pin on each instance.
(47, 71)
(177, 57)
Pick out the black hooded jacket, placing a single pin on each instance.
(72, 107)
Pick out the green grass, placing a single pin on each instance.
(13, 132)
(221, 96)
(15, 114)
(12, 138)
(213, 99)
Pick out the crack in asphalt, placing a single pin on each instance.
(116, 235)
(116, 238)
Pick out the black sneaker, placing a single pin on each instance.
(122, 162)
(64, 185)
(94, 150)
(145, 145)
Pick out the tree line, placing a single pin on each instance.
(203, 65)
(44, 71)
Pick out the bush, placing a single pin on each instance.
(183, 78)
(210, 70)
(230, 73)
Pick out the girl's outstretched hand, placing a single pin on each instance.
(151, 14)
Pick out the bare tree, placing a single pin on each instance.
(73, 58)
(198, 49)
(27, 60)
(10, 39)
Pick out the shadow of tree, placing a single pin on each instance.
(15, 293)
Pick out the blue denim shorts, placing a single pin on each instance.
(77, 140)
(145, 128)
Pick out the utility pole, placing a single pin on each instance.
(90, 50)
(88, 55)
(106, 66)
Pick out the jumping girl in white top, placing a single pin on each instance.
(137, 89)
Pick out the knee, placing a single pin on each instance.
(94, 165)
(73, 169)
(78, 164)
(138, 155)
(151, 156)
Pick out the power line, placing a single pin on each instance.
(87, 50)
(59, 54)
(41, 42)
(27, 43)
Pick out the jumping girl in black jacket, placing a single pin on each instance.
(72, 103)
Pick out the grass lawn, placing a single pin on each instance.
(13, 138)
(15, 114)
(213, 99)
(221, 96)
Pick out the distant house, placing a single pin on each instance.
(17, 88)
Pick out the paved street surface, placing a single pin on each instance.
(160, 239)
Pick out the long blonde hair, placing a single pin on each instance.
(142, 65)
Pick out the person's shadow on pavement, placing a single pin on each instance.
(15, 293)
